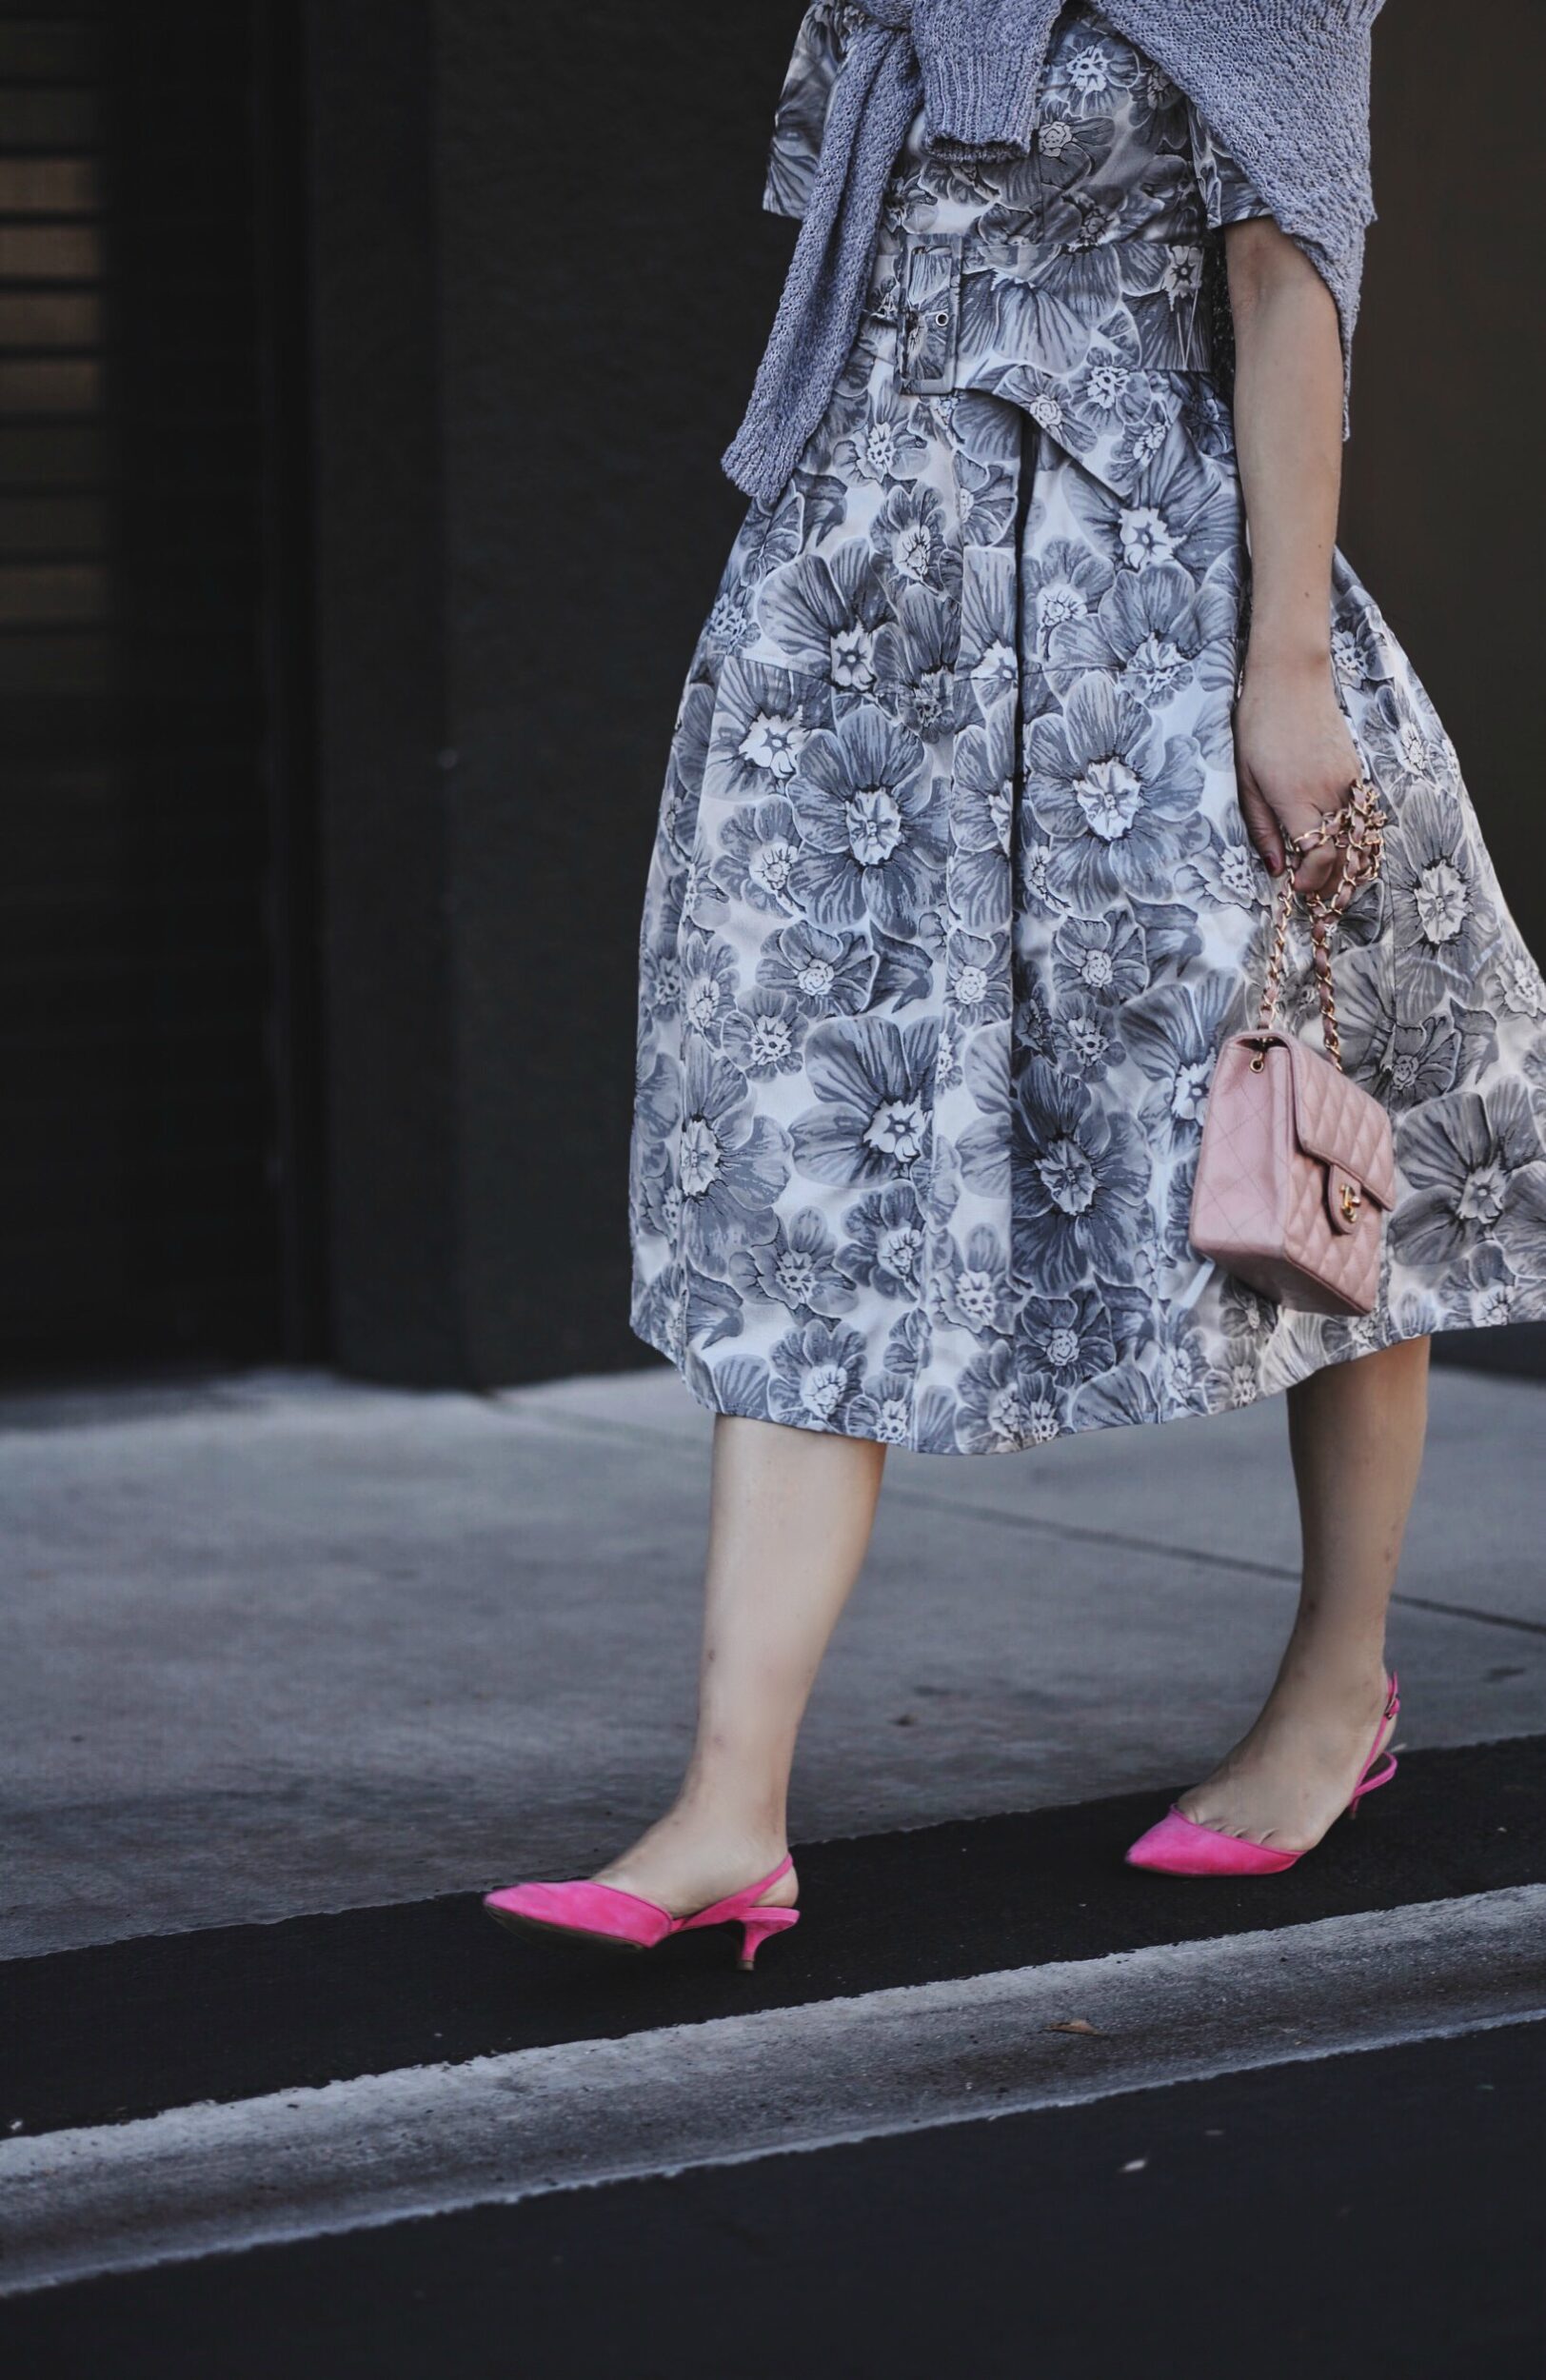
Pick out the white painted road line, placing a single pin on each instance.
(425, 2140)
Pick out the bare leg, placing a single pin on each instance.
(1355, 1432)
(789, 1523)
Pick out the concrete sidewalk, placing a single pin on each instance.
(282, 1643)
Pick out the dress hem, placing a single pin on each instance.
(1394, 1336)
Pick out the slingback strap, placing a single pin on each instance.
(1382, 1778)
(738, 1904)
(1366, 1783)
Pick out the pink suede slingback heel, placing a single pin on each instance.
(1182, 1846)
(599, 1912)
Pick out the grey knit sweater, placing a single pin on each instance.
(1283, 83)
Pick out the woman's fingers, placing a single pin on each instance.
(1268, 829)
(1317, 871)
(1296, 763)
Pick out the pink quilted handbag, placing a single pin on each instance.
(1296, 1171)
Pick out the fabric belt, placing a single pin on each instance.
(923, 286)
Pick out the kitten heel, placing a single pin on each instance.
(755, 1930)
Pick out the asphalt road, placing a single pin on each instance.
(1281, 2224)
(1305, 2133)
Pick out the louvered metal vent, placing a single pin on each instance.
(139, 1206)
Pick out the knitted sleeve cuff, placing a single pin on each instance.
(979, 98)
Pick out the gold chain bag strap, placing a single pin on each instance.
(1296, 1171)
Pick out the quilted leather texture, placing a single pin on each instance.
(1260, 1201)
(1337, 1121)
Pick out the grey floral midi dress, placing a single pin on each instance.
(951, 901)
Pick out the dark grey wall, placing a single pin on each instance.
(540, 297)
(144, 1214)
(538, 307)
(1444, 512)
(383, 635)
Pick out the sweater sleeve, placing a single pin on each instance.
(820, 47)
(979, 79)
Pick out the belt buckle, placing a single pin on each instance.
(930, 324)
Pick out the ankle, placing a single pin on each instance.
(726, 1806)
(755, 1839)
(1333, 1681)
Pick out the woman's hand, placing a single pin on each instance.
(1296, 761)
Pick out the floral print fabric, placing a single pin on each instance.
(951, 904)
